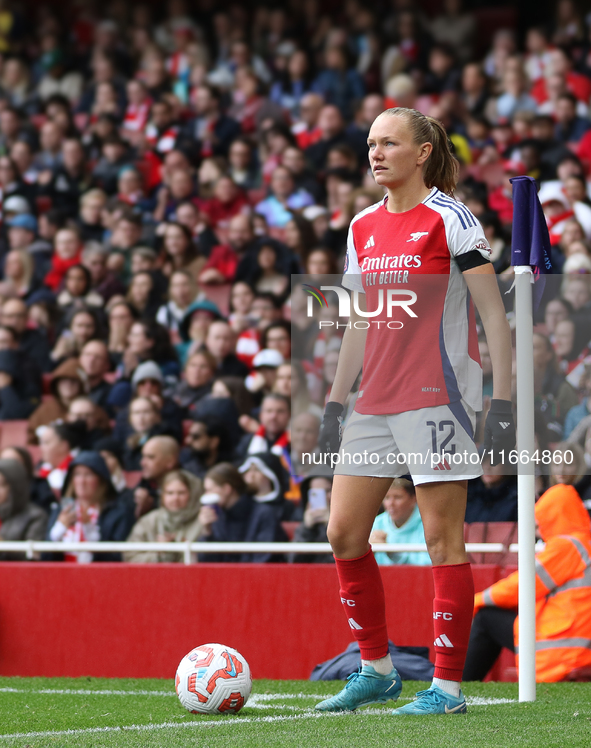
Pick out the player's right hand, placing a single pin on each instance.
(329, 439)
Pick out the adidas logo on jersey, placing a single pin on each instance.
(370, 243)
(443, 465)
(417, 235)
(443, 641)
(354, 625)
(504, 424)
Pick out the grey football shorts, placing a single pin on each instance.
(432, 444)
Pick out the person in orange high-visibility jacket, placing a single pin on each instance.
(563, 596)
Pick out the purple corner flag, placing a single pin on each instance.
(530, 244)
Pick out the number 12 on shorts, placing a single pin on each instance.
(447, 431)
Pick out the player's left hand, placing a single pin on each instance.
(499, 431)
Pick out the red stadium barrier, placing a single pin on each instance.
(119, 620)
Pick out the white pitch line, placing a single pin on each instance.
(307, 714)
(106, 692)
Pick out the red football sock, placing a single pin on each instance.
(362, 595)
(452, 618)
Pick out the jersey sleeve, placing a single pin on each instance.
(352, 271)
(465, 236)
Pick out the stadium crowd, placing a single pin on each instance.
(164, 173)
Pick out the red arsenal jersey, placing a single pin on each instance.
(421, 348)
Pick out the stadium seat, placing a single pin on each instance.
(13, 434)
(501, 532)
(289, 528)
(475, 533)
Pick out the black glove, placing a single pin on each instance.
(329, 439)
(499, 431)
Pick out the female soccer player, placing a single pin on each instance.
(419, 256)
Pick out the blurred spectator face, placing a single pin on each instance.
(75, 281)
(14, 314)
(161, 115)
(543, 129)
(129, 182)
(542, 352)
(173, 161)
(256, 481)
(21, 155)
(330, 122)
(7, 172)
(85, 483)
(205, 104)
(310, 107)
(19, 238)
(241, 298)
(372, 107)
(138, 342)
(13, 266)
(198, 439)
(140, 288)
(200, 322)
(304, 433)
(240, 155)
(82, 409)
(282, 384)
(83, 327)
(324, 485)
(7, 340)
(181, 290)
(9, 123)
(148, 388)
(274, 416)
(136, 92)
(567, 168)
(264, 311)
(282, 183)
(318, 263)
(175, 241)
(142, 415)
(187, 215)
(577, 292)
(220, 340)
(293, 159)
(574, 190)
(68, 389)
(240, 232)
(155, 460)
(565, 111)
(535, 42)
(225, 190)
(72, 155)
(400, 504)
(94, 359)
(280, 340)
(181, 184)
(576, 247)
(128, 233)
(220, 389)
(142, 263)
(267, 257)
(67, 244)
(555, 312)
(198, 371)
(564, 336)
(298, 65)
(53, 449)
(175, 495)
(473, 79)
(120, 317)
(96, 264)
(91, 208)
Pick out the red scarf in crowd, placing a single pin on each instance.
(59, 267)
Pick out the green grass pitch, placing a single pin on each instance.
(97, 713)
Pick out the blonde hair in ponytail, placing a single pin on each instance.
(442, 168)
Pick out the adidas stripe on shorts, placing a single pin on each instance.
(432, 444)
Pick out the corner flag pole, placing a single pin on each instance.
(530, 250)
(526, 495)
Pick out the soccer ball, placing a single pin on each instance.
(213, 679)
